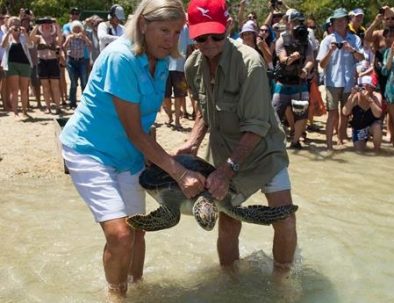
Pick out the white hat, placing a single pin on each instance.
(366, 80)
(249, 26)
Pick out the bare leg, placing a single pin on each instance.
(299, 128)
(342, 131)
(167, 109)
(178, 104)
(24, 88)
(227, 244)
(47, 94)
(13, 88)
(138, 256)
(331, 118)
(54, 83)
(117, 254)
(285, 235)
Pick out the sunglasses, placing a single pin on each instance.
(263, 30)
(389, 18)
(214, 37)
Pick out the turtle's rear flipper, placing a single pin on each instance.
(205, 212)
(161, 218)
(259, 214)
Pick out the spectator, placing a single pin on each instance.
(17, 63)
(338, 54)
(91, 31)
(76, 64)
(6, 102)
(365, 108)
(295, 54)
(388, 70)
(266, 46)
(48, 36)
(176, 81)
(356, 23)
(112, 29)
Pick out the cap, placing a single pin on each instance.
(356, 12)
(74, 10)
(207, 17)
(366, 80)
(117, 11)
(339, 13)
(249, 26)
(296, 16)
(290, 11)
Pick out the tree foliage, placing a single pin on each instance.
(320, 9)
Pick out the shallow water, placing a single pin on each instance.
(51, 247)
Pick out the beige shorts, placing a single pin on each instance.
(335, 96)
(108, 193)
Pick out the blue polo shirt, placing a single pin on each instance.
(95, 128)
(341, 69)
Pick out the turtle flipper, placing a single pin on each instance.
(205, 212)
(259, 214)
(159, 219)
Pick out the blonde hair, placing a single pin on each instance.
(12, 20)
(151, 11)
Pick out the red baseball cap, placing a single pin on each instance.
(207, 17)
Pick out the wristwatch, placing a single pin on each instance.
(234, 166)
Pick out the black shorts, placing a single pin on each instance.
(48, 69)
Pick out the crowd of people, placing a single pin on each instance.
(36, 52)
(298, 55)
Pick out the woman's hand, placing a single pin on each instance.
(186, 149)
(191, 183)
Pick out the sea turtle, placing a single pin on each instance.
(204, 208)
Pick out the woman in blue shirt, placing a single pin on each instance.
(106, 141)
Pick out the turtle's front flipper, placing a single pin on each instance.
(205, 212)
(161, 218)
(259, 214)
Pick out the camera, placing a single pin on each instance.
(300, 33)
(338, 44)
(276, 3)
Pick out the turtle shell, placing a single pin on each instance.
(153, 177)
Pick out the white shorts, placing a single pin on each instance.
(108, 193)
(280, 182)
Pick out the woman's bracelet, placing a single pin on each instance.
(182, 176)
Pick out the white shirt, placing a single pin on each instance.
(106, 33)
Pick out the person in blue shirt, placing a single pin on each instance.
(338, 55)
(106, 141)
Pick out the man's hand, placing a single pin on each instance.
(218, 182)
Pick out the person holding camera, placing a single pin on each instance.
(295, 53)
(112, 29)
(364, 105)
(17, 63)
(338, 55)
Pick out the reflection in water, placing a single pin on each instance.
(51, 247)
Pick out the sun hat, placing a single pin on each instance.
(339, 13)
(249, 26)
(356, 12)
(207, 17)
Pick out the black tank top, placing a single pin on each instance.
(17, 55)
(361, 119)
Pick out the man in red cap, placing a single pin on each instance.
(229, 81)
